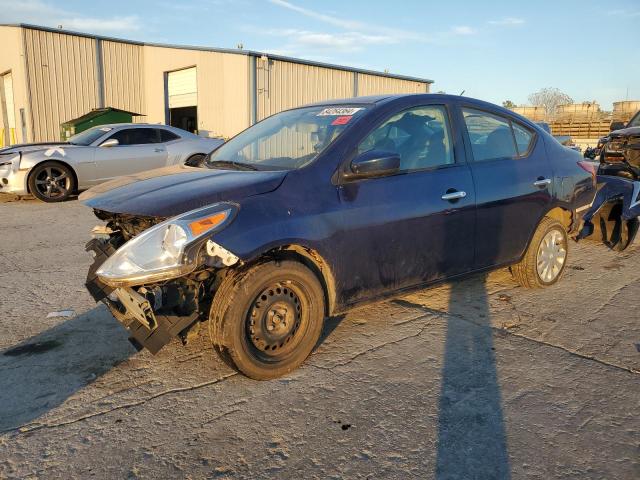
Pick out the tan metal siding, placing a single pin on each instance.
(123, 67)
(282, 85)
(62, 74)
(376, 85)
(222, 78)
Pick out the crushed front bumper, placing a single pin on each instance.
(13, 180)
(147, 327)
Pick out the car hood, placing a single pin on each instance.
(633, 132)
(33, 147)
(169, 191)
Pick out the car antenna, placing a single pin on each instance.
(462, 92)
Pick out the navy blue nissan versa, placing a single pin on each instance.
(319, 208)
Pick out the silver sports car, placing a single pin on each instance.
(53, 171)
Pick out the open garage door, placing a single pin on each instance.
(182, 86)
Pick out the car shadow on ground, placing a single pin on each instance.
(43, 371)
(471, 429)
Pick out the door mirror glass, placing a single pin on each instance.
(374, 163)
(112, 142)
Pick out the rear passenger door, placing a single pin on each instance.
(138, 149)
(513, 183)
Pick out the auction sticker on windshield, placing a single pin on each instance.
(339, 111)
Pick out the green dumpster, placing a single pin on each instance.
(97, 116)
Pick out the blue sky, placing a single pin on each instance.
(493, 50)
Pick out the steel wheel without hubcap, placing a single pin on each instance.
(552, 253)
(273, 322)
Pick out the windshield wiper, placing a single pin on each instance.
(233, 165)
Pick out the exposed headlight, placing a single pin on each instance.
(166, 250)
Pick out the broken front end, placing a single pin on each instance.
(157, 275)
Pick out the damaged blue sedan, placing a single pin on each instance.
(317, 209)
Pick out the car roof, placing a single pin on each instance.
(119, 125)
(379, 99)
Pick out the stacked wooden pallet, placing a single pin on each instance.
(576, 128)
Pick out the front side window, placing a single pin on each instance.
(287, 140)
(635, 121)
(137, 136)
(494, 137)
(420, 136)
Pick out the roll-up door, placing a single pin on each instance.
(183, 88)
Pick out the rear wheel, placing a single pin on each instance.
(267, 320)
(544, 261)
(51, 182)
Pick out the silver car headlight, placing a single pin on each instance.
(166, 250)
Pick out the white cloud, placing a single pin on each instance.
(343, 41)
(121, 24)
(336, 21)
(353, 25)
(508, 21)
(624, 13)
(463, 30)
(45, 14)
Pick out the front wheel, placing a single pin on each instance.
(267, 320)
(544, 261)
(51, 182)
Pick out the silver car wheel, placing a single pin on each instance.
(53, 182)
(552, 253)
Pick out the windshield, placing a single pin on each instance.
(89, 136)
(635, 121)
(285, 141)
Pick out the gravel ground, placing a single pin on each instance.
(474, 379)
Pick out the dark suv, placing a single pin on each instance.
(320, 208)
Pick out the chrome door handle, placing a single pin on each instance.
(543, 182)
(454, 196)
(158, 150)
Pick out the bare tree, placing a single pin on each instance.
(549, 98)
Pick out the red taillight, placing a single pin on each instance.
(588, 167)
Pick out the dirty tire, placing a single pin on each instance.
(265, 321)
(51, 182)
(526, 273)
(196, 160)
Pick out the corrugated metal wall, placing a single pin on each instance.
(123, 72)
(376, 85)
(282, 85)
(62, 79)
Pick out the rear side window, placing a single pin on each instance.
(523, 137)
(137, 136)
(167, 136)
(494, 137)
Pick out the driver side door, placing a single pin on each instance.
(138, 149)
(417, 225)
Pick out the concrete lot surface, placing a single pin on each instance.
(474, 379)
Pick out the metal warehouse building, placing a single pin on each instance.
(50, 76)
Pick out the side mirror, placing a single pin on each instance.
(617, 126)
(112, 142)
(374, 163)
